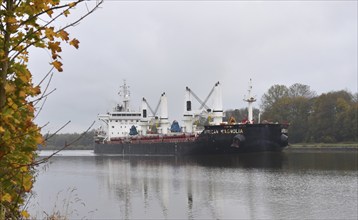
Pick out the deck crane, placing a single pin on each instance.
(216, 112)
(154, 112)
(203, 103)
(161, 120)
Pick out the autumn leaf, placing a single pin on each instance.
(27, 182)
(11, 20)
(74, 42)
(57, 65)
(54, 46)
(66, 12)
(63, 35)
(6, 197)
(72, 4)
(49, 33)
(49, 12)
(10, 88)
(39, 139)
(25, 214)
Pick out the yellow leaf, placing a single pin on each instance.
(57, 65)
(63, 35)
(36, 90)
(24, 169)
(39, 139)
(72, 4)
(10, 88)
(74, 42)
(6, 197)
(27, 183)
(22, 94)
(25, 214)
(66, 13)
(54, 46)
(49, 32)
(2, 130)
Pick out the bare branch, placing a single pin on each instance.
(43, 79)
(58, 130)
(44, 92)
(63, 148)
(35, 101)
(38, 112)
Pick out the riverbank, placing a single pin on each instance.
(322, 147)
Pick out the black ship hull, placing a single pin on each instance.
(220, 139)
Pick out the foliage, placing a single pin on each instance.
(334, 118)
(25, 24)
(328, 118)
(274, 94)
(240, 115)
(57, 141)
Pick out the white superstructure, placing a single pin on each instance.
(119, 121)
(122, 122)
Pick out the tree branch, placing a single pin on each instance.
(63, 148)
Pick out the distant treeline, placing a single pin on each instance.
(328, 118)
(58, 141)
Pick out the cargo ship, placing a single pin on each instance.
(145, 132)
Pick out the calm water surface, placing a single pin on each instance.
(311, 185)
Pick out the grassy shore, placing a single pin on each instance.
(323, 146)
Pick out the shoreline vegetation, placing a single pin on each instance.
(322, 147)
(291, 147)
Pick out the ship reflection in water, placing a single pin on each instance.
(249, 186)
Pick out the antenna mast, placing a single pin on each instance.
(124, 92)
(250, 99)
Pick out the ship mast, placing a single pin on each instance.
(124, 92)
(250, 99)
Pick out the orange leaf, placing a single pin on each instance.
(11, 20)
(54, 46)
(49, 32)
(57, 65)
(74, 42)
(63, 35)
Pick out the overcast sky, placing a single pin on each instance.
(164, 46)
